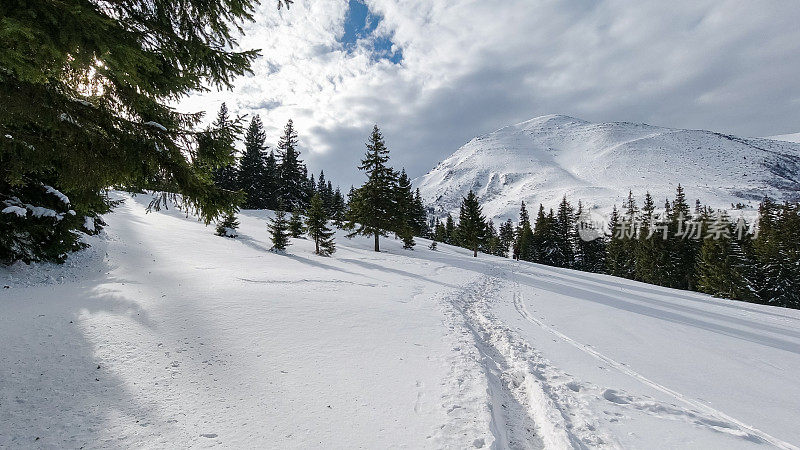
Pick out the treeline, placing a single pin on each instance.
(699, 249)
(269, 179)
(384, 204)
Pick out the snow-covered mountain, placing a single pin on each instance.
(544, 158)
(793, 137)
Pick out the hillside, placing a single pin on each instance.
(542, 159)
(164, 335)
(793, 137)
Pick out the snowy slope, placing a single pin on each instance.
(793, 137)
(544, 158)
(164, 335)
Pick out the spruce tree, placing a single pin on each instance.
(524, 247)
(544, 240)
(227, 226)
(684, 243)
(308, 186)
(616, 260)
(407, 236)
(271, 182)
(646, 258)
(629, 230)
(491, 241)
(777, 254)
(350, 213)
(338, 208)
(372, 207)
(565, 234)
(767, 255)
(439, 231)
(550, 249)
(319, 187)
(329, 195)
(744, 259)
(311, 187)
(506, 237)
(296, 228)
(419, 216)
(662, 243)
(87, 91)
(221, 161)
(293, 185)
(471, 223)
(278, 228)
(719, 265)
(450, 231)
(252, 170)
(43, 227)
(405, 223)
(325, 190)
(317, 226)
(590, 250)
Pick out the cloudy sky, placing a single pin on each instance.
(433, 74)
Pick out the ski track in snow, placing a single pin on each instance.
(713, 418)
(529, 400)
(533, 404)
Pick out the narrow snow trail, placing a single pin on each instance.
(684, 357)
(747, 431)
(525, 411)
(163, 335)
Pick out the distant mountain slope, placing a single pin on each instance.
(542, 159)
(794, 137)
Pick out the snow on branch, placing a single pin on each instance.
(51, 190)
(155, 125)
(21, 212)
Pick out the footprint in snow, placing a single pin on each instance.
(209, 435)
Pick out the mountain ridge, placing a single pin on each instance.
(541, 159)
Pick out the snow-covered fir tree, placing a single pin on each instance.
(506, 236)
(278, 228)
(224, 167)
(317, 227)
(88, 103)
(471, 223)
(271, 182)
(338, 208)
(372, 206)
(252, 173)
(228, 225)
(293, 188)
(296, 227)
(565, 234)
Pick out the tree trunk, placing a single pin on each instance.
(475, 251)
(316, 242)
(377, 247)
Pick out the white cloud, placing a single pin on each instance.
(472, 66)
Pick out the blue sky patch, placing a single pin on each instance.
(360, 24)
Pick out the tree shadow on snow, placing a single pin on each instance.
(616, 290)
(616, 284)
(56, 391)
(615, 300)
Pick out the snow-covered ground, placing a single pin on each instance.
(164, 335)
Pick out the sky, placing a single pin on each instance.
(434, 74)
